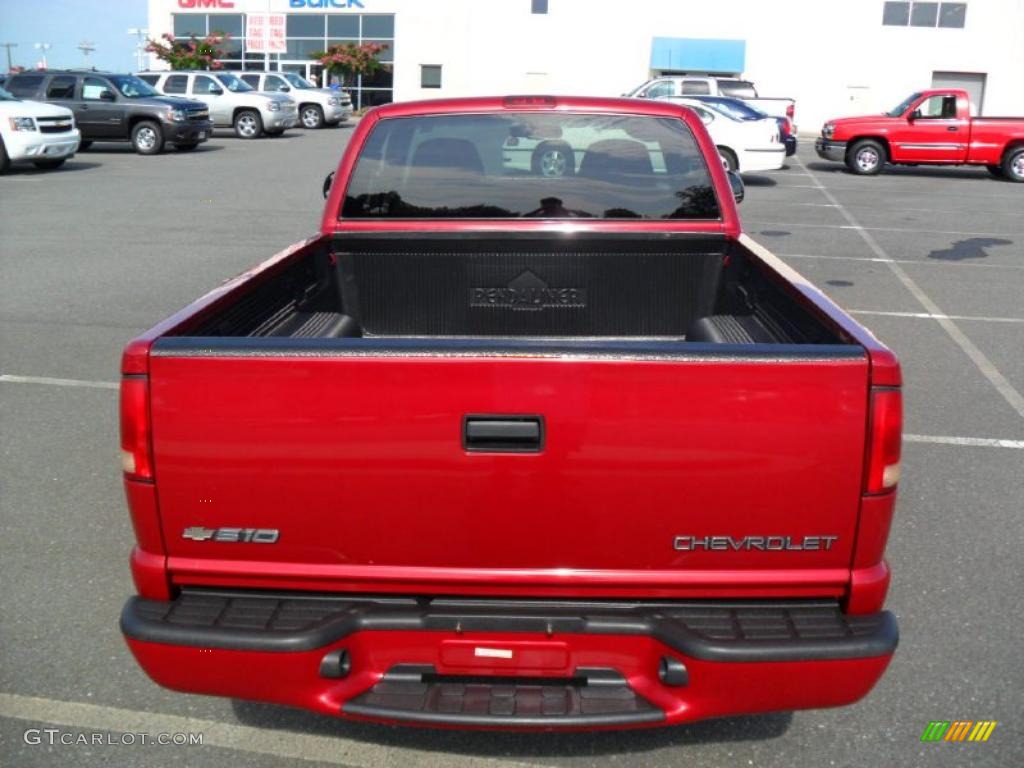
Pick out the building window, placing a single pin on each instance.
(305, 25)
(430, 76)
(924, 14)
(896, 14)
(953, 15)
(903, 14)
(539, 6)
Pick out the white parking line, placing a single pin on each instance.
(930, 316)
(1000, 382)
(334, 749)
(858, 228)
(978, 442)
(921, 262)
(10, 379)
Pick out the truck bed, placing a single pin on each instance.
(653, 288)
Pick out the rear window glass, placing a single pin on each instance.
(740, 89)
(24, 85)
(533, 165)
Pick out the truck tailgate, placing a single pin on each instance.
(677, 469)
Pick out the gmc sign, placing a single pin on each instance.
(206, 3)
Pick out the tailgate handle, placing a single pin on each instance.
(503, 433)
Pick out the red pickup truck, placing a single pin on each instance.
(932, 127)
(500, 449)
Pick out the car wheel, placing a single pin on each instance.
(312, 116)
(1013, 165)
(187, 146)
(147, 138)
(5, 161)
(84, 145)
(995, 170)
(248, 124)
(731, 161)
(553, 161)
(866, 157)
(49, 164)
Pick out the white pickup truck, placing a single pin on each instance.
(677, 86)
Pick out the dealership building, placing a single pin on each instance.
(835, 59)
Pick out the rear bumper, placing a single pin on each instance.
(762, 159)
(504, 664)
(830, 150)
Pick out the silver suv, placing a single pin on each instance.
(317, 106)
(233, 103)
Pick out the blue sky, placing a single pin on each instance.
(66, 23)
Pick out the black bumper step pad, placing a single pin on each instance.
(736, 631)
(412, 693)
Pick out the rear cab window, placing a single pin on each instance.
(695, 88)
(531, 165)
(740, 89)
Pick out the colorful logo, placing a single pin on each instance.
(958, 730)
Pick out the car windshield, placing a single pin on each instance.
(538, 165)
(233, 84)
(904, 105)
(7, 96)
(736, 109)
(132, 87)
(297, 82)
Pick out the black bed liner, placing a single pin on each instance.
(643, 287)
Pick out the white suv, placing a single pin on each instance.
(317, 106)
(233, 103)
(31, 131)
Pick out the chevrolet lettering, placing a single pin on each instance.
(754, 543)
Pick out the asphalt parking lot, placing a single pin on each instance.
(931, 260)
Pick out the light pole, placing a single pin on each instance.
(44, 47)
(140, 48)
(8, 46)
(86, 48)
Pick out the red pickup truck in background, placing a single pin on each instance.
(499, 449)
(932, 127)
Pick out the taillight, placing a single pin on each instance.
(787, 127)
(530, 101)
(885, 432)
(791, 111)
(136, 451)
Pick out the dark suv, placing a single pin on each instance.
(110, 107)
